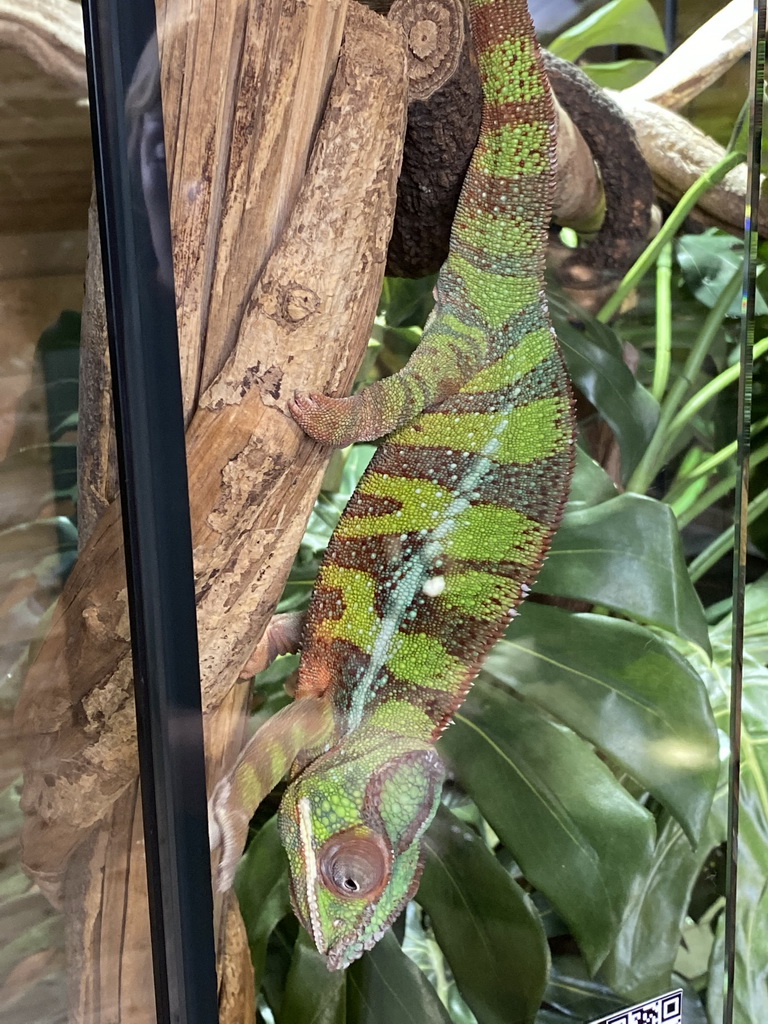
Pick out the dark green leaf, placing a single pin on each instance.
(575, 996)
(313, 994)
(591, 485)
(708, 262)
(261, 884)
(624, 690)
(641, 962)
(594, 358)
(405, 302)
(626, 554)
(385, 987)
(623, 21)
(483, 922)
(553, 803)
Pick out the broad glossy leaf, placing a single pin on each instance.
(624, 690)
(261, 884)
(591, 485)
(485, 924)
(573, 995)
(577, 835)
(626, 554)
(594, 358)
(623, 21)
(313, 994)
(755, 622)
(385, 987)
(641, 962)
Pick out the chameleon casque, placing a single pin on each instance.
(439, 544)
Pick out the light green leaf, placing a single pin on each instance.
(624, 690)
(482, 921)
(633, 22)
(618, 74)
(553, 803)
(626, 554)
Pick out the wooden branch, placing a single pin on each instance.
(319, 235)
(678, 154)
(700, 60)
(50, 33)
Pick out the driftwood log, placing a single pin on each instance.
(283, 183)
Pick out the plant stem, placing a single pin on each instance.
(708, 392)
(646, 259)
(724, 542)
(655, 453)
(720, 489)
(663, 322)
(725, 453)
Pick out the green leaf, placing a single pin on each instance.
(385, 987)
(482, 921)
(261, 884)
(626, 554)
(642, 960)
(596, 366)
(633, 22)
(751, 984)
(755, 622)
(313, 994)
(627, 692)
(575, 996)
(618, 74)
(591, 485)
(553, 803)
(708, 262)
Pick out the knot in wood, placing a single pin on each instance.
(422, 38)
(299, 303)
(434, 31)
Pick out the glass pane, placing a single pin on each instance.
(573, 849)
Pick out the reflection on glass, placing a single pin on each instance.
(574, 866)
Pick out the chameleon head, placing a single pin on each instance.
(351, 825)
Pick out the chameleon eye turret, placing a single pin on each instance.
(356, 863)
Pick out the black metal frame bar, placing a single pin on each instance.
(141, 319)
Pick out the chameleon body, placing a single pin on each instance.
(440, 542)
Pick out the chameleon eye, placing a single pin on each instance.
(354, 864)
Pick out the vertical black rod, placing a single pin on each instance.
(670, 24)
(135, 240)
(754, 149)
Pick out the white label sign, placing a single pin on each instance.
(666, 1009)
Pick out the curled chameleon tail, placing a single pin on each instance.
(448, 527)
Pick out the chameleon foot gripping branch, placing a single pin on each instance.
(443, 537)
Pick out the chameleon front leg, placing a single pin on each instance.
(450, 352)
(305, 725)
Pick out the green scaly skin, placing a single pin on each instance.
(440, 542)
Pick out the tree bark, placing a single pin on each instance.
(283, 151)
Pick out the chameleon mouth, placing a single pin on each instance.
(310, 868)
